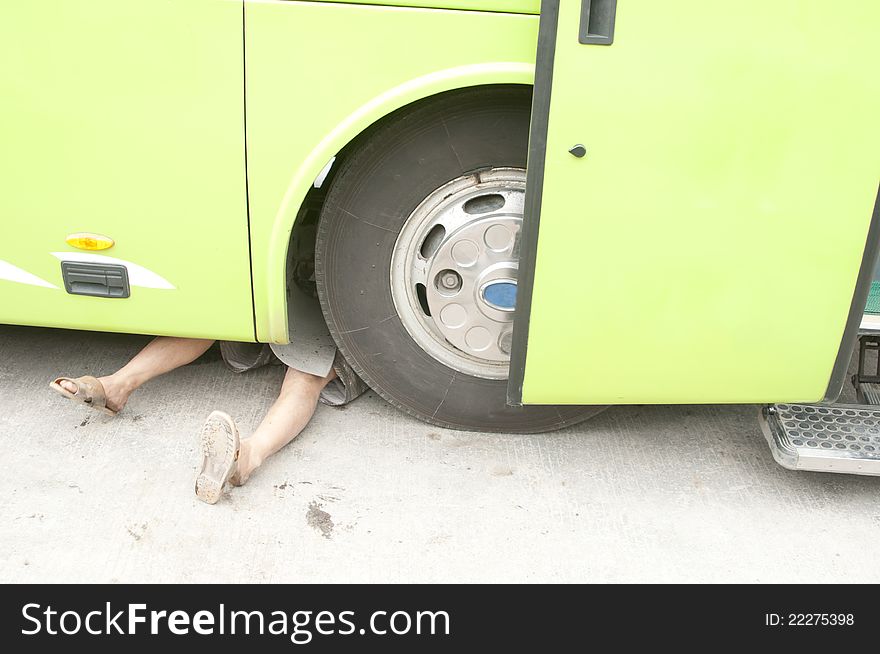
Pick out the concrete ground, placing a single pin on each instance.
(369, 494)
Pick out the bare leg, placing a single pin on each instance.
(161, 355)
(287, 417)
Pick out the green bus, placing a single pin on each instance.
(515, 210)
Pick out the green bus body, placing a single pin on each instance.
(127, 119)
(729, 182)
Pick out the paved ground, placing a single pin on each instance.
(369, 494)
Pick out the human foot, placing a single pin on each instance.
(103, 393)
(248, 461)
(220, 449)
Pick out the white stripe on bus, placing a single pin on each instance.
(15, 274)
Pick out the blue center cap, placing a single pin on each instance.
(500, 295)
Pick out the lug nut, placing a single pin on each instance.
(505, 342)
(449, 280)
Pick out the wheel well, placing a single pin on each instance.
(301, 248)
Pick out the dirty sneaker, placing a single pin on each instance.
(220, 447)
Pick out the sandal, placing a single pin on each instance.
(88, 391)
(220, 447)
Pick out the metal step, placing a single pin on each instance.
(824, 438)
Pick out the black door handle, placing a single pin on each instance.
(597, 21)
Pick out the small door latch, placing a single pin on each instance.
(579, 151)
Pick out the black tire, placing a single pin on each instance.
(379, 184)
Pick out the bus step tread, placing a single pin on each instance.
(824, 438)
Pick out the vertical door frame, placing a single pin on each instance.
(540, 124)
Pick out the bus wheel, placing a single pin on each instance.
(417, 254)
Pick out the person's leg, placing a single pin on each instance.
(161, 355)
(287, 417)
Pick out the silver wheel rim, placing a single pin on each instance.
(454, 271)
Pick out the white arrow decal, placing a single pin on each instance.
(15, 274)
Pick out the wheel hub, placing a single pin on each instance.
(454, 271)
